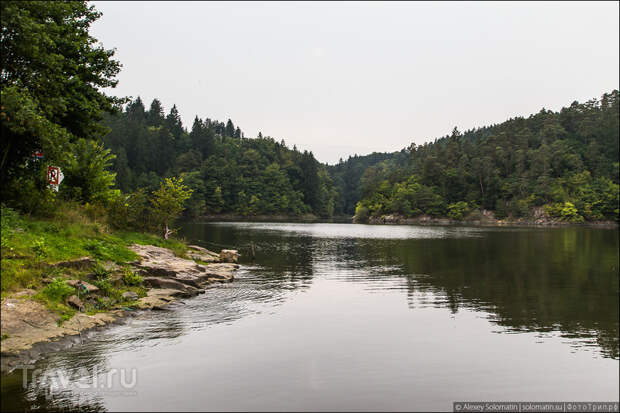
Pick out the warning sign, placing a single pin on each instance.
(54, 177)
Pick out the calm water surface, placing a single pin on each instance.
(359, 317)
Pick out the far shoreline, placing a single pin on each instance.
(400, 220)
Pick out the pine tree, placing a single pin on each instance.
(230, 129)
(155, 116)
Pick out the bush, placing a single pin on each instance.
(9, 223)
(131, 278)
(39, 248)
(361, 213)
(58, 290)
(458, 210)
(565, 212)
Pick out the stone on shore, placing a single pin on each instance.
(129, 295)
(83, 285)
(75, 302)
(229, 256)
(162, 269)
(202, 254)
(26, 322)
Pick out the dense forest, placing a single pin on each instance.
(115, 152)
(564, 162)
(227, 172)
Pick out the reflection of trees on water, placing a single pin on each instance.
(532, 280)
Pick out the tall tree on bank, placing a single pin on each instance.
(51, 76)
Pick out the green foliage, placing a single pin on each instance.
(458, 210)
(52, 75)
(168, 202)
(39, 248)
(131, 211)
(567, 160)
(87, 178)
(227, 172)
(9, 224)
(58, 290)
(28, 244)
(361, 213)
(132, 278)
(564, 211)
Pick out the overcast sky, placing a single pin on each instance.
(346, 78)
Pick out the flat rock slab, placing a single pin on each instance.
(26, 322)
(158, 299)
(162, 269)
(199, 253)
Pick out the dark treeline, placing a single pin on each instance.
(347, 176)
(565, 162)
(228, 172)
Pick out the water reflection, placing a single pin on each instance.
(561, 284)
(528, 279)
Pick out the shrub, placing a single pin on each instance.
(39, 248)
(58, 290)
(565, 212)
(458, 210)
(131, 278)
(361, 213)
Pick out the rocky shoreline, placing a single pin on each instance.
(485, 218)
(30, 330)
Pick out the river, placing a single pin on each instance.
(360, 317)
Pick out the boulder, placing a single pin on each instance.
(130, 296)
(75, 302)
(229, 255)
(83, 286)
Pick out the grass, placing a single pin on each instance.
(30, 246)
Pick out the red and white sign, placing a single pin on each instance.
(53, 175)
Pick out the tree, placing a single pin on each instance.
(173, 122)
(230, 128)
(51, 63)
(87, 178)
(168, 202)
(155, 115)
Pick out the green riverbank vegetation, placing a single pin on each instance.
(563, 165)
(53, 74)
(42, 253)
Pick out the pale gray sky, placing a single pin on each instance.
(345, 78)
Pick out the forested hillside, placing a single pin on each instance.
(228, 172)
(565, 162)
(347, 176)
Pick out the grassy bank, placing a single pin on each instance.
(32, 246)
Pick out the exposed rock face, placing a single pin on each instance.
(162, 269)
(229, 256)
